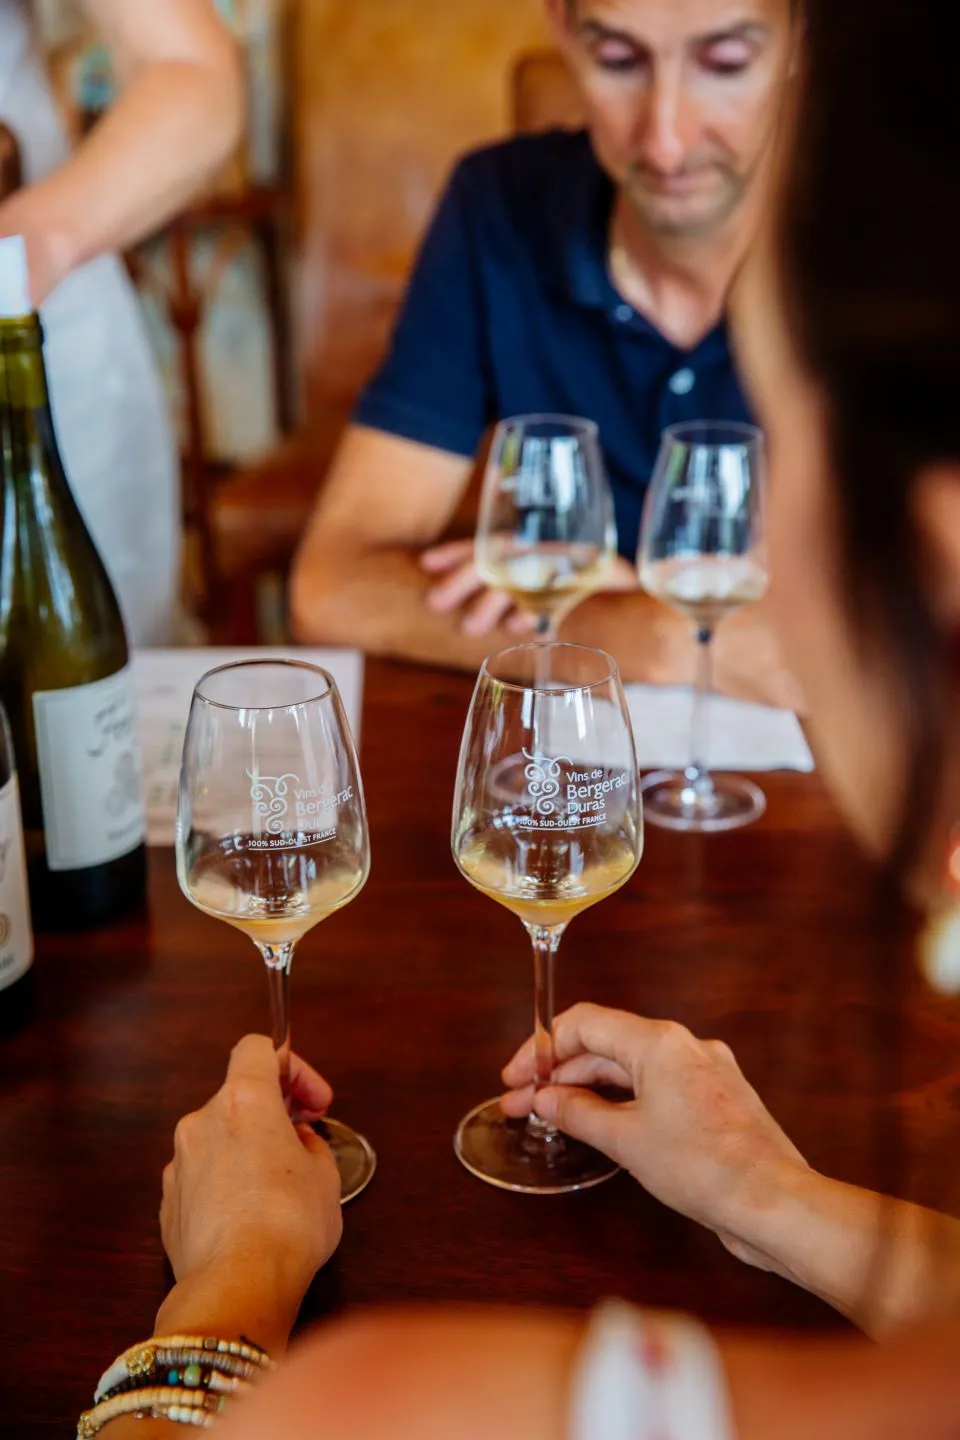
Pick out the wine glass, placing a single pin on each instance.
(701, 551)
(272, 829)
(547, 820)
(546, 533)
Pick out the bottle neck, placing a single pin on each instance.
(23, 379)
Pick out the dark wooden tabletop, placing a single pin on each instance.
(410, 1000)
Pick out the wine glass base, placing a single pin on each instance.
(355, 1157)
(673, 803)
(513, 1155)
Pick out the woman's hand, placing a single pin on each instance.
(695, 1134)
(251, 1201)
(699, 1138)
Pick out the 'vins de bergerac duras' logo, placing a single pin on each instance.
(543, 781)
(271, 802)
(291, 813)
(564, 797)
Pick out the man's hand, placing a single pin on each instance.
(461, 587)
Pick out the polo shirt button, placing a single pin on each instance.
(682, 382)
(624, 313)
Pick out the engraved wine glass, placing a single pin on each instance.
(546, 533)
(701, 552)
(272, 829)
(547, 820)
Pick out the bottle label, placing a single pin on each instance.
(88, 753)
(16, 939)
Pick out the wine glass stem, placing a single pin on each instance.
(545, 627)
(697, 773)
(546, 940)
(278, 959)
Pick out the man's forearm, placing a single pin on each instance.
(377, 601)
(654, 645)
(651, 644)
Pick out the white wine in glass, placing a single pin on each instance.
(547, 821)
(272, 829)
(706, 589)
(274, 896)
(546, 534)
(701, 552)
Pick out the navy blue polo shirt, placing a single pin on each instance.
(511, 309)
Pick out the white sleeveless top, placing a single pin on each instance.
(108, 405)
(648, 1377)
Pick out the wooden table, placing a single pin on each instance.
(410, 1000)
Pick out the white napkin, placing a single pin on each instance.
(740, 736)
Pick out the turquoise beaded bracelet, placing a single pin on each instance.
(142, 1362)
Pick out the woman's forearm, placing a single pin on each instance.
(163, 139)
(177, 118)
(250, 1296)
(884, 1263)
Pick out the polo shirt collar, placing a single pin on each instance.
(580, 234)
(579, 244)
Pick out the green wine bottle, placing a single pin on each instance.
(65, 677)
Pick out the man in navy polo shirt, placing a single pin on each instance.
(583, 274)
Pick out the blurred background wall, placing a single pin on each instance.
(387, 94)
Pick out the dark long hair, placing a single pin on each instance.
(871, 281)
(870, 278)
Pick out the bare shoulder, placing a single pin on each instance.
(414, 1375)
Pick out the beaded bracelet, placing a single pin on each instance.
(193, 1369)
(183, 1407)
(141, 1362)
(190, 1376)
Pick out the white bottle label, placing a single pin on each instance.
(16, 938)
(88, 751)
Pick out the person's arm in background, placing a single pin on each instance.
(357, 579)
(650, 642)
(366, 576)
(177, 118)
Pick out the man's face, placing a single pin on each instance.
(682, 98)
